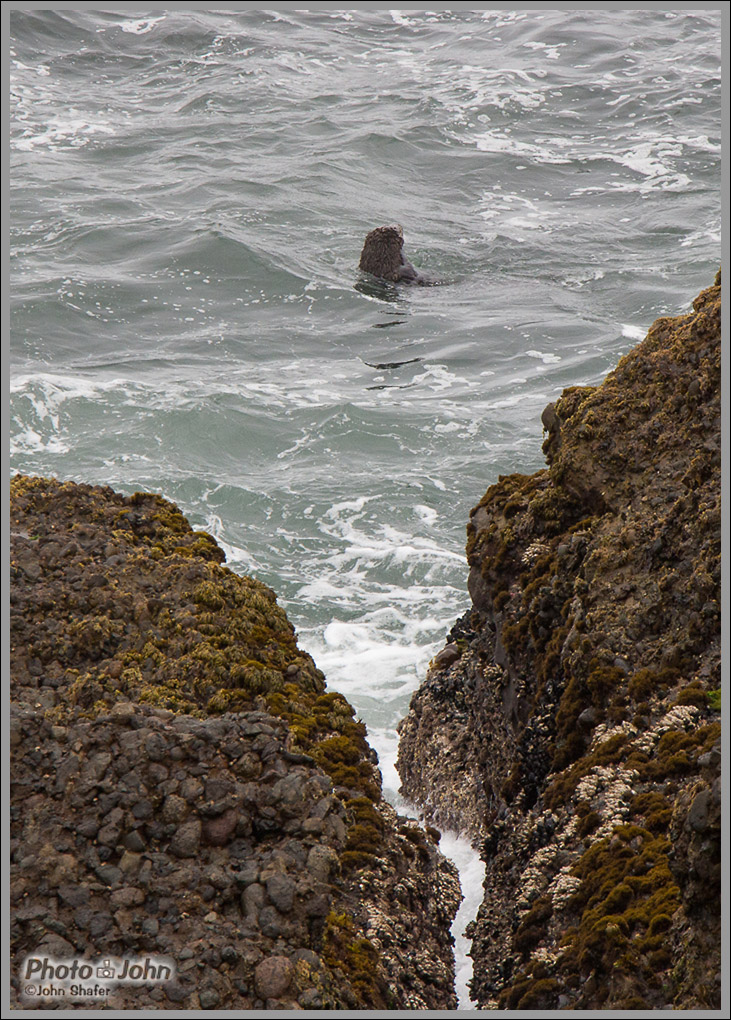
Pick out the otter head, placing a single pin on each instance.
(381, 255)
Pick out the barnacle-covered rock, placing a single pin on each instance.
(576, 736)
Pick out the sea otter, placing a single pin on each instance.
(383, 256)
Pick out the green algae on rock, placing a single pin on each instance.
(184, 783)
(579, 726)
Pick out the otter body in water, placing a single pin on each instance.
(383, 256)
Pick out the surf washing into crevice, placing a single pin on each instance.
(471, 868)
(455, 847)
(352, 657)
(471, 875)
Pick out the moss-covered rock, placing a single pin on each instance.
(170, 735)
(577, 735)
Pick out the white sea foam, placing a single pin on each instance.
(399, 18)
(426, 513)
(388, 597)
(472, 875)
(653, 159)
(384, 544)
(141, 26)
(472, 87)
(495, 141)
(73, 129)
(40, 69)
(547, 359)
(237, 558)
(29, 441)
(580, 279)
(633, 332)
(708, 236)
(38, 404)
(438, 378)
(456, 848)
(385, 669)
(48, 391)
(550, 51)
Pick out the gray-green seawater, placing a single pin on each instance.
(189, 195)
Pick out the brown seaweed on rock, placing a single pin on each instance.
(576, 737)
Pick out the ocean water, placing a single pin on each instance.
(189, 195)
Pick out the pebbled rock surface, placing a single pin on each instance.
(183, 785)
(576, 735)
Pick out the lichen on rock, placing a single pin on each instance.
(576, 738)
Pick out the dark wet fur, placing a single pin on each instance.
(383, 256)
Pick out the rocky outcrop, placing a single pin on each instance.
(572, 725)
(185, 787)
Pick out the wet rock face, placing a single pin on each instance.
(184, 785)
(116, 847)
(577, 733)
